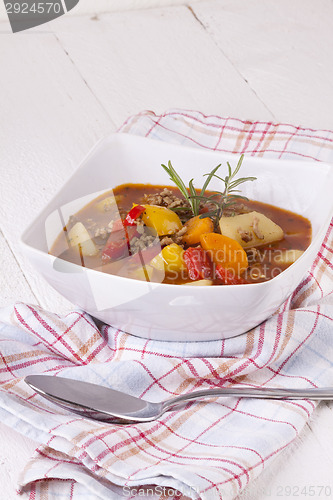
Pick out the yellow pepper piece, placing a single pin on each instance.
(158, 262)
(163, 220)
(173, 258)
(199, 283)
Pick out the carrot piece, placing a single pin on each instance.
(195, 228)
(224, 250)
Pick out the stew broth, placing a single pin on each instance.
(263, 262)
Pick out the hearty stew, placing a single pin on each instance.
(181, 235)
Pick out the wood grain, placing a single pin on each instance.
(283, 50)
(168, 60)
(13, 284)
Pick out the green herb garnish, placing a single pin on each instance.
(219, 199)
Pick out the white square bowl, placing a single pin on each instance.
(172, 312)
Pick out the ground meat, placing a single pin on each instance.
(141, 242)
(256, 229)
(103, 232)
(166, 240)
(245, 235)
(237, 209)
(174, 238)
(165, 198)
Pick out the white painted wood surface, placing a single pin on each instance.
(100, 6)
(65, 86)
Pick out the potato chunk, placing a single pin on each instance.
(108, 203)
(79, 236)
(287, 257)
(142, 273)
(251, 230)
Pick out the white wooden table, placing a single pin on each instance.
(65, 85)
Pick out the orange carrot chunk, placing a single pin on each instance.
(226, 251)
(195, 228)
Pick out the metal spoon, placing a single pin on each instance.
(107, 405)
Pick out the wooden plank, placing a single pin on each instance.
(52, 120)
(156, 59)
(283, 50)
(13, 284)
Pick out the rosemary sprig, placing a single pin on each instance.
(219, 199)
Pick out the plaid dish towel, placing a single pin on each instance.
(210, 450)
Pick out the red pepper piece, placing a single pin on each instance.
(118, 244)
(228, 276)
(198, 263)
(133, 214)
(117, 225)
(115, 249)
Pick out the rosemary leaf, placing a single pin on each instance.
(209, 178)
(180, 208)
(193, 196)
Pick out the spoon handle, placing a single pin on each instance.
(325, 393)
